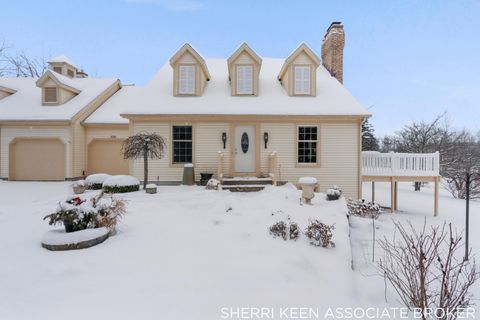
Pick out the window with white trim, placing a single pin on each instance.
(307, 144)
(302, 80)
(186, 79)
(244, 74)
(50, 94)
(182, 144)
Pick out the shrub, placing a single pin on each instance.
(334, 193)
(79, 214)
(95, 181)
(121, 184)
(286, 231)
(363, 209)
(320, 234)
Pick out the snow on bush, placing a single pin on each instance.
(78, 214)
(363, 209)
(334, 193)
(320, 234)
(212, 184)
(151, 186)
(121, 184)
(79, 183)
(95, 181)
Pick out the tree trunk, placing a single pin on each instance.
(145, 167)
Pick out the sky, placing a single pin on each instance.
(405, 60)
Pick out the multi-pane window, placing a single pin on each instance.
(182, 144)
(307, 144)
(57, 69)
(70, 73)
(50, 94)
(244, 79)
(302, 80)
(186, 79)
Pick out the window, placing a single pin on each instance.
(70, 73)
(302, 80)
(57, 69)
(307, 144)
(186, 79)
(50, 94)
(182, 144)
(244, 79)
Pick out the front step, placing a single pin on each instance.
(245, 184)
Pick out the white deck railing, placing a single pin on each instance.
(400, 164)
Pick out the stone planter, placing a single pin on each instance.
(188, 174)
(308, 185)
(58, 240)
(151, 188)
(79, 189)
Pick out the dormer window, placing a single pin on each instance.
(302, 76)
(50, 95)
(57, 69)
(186, 79)
(70, 73)
(244, 74)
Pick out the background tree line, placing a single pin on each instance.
(459, 150)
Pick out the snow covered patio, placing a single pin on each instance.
(183, 253)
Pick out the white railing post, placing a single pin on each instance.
(272, 167)
(220, 166)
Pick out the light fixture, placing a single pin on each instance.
(265, 139)
(224, 139)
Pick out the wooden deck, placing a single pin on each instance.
(401, 167)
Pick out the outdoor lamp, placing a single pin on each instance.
(224, 139)
(265, 138)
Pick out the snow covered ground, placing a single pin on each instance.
(187, 252)
(183, 253)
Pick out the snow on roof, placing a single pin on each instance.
(64, 80)
(157, 97)
(61, 58)
(26, 103)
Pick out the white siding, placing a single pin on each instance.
(338, 154)
(7, 134)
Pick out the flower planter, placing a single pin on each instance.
(331, 197)
(205, 177)
(79, 189)
(151, 189)
(308, 185)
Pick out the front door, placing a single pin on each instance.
(245, 149)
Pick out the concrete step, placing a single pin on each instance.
(246, 181)
(243, 187)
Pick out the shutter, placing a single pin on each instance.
(244, 79)
(302, 80)
(186, 80)
(50, 94)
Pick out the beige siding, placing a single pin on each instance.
(207, 142)
(4, 94)
(106, 133)
(64, 95)
(338, 155)
(8, 133)
(244, 58)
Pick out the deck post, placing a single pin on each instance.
(373, 191)
(396, 195)
(392, 194)
(435, 206)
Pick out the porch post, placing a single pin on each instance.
(392, 194)
(396, 195)
(373, 191)
(435, 206)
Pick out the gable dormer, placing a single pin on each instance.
(299, 72)
(63, 66)
(243, 70)
(5, 92)
(56, 88)
(190, 72)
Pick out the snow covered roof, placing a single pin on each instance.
(61, 58)
(59, 79)
(157, 97)
(26, 103)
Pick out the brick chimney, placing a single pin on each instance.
(332, 50)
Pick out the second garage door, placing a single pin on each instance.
(105, 156)
(37, 159)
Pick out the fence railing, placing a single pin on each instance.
(400, 164)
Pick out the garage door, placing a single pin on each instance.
(105, 156)
(37, 159)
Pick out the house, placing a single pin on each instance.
(42, 136)
(248, 115)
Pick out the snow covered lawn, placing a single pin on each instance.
(182, 253)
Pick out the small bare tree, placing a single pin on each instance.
(144, 145)
(427, 271)
(20, 64)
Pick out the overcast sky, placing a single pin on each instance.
(405, 60)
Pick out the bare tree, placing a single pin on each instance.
(20, 64)
(144, 145)
(427, 271)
